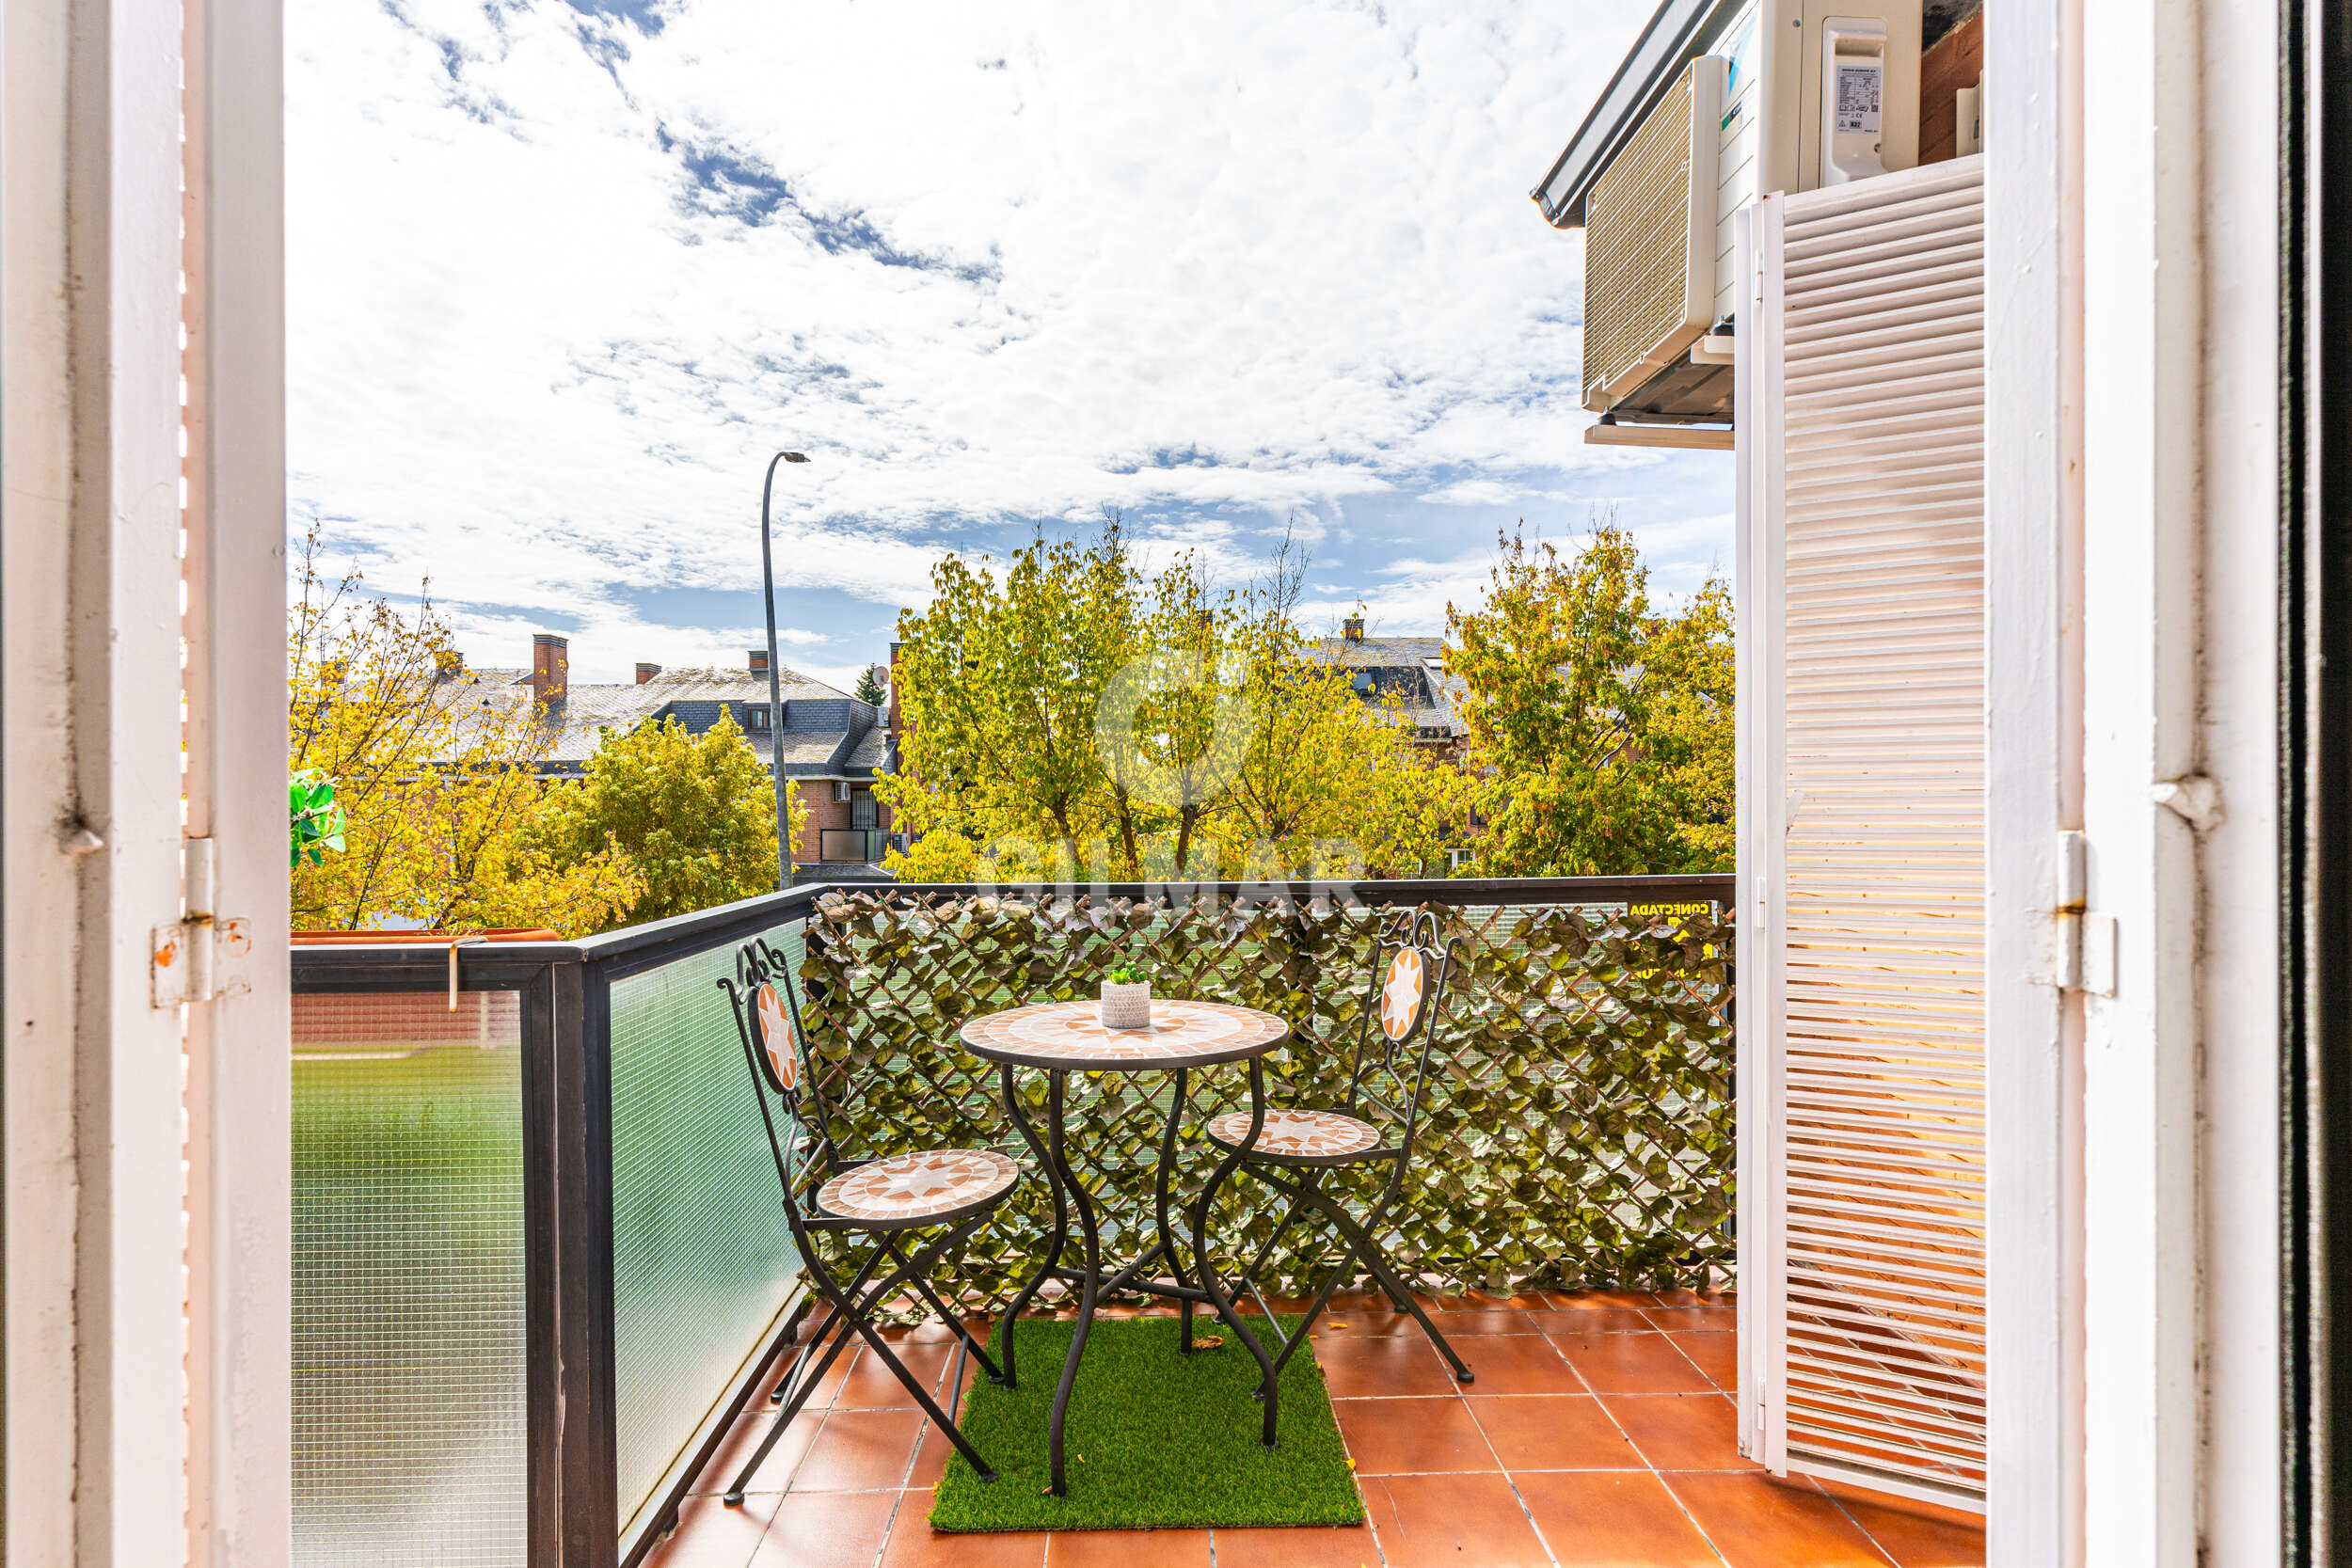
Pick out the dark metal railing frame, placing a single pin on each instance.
(571, 1438)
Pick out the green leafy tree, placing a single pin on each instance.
(694, 815)
(870, 690)
(998, 684)
(1600, 728)
(1079, 718)
(434, 775)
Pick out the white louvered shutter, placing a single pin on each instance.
(1865, 993)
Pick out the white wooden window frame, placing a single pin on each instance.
(147, 1358)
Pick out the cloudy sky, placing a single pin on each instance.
(563, 275)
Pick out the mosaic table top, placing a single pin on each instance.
(1063, 1034)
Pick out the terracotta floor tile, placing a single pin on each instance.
(914, 1544)
(1367, 1324)
(1625, 1519)
(711, 1535)
(1402, 1364)
(1757, 1522)
(1585, 1300)
(826, 1390)
(1527, 1301)
(1461, 1521)
(1631, 1363)
(1551, 1432)
(1456, 1325)
(827, 1529)
(1687, 1318)
(931, 1331)
(1915, 1534)
(1128, 1548)
(1516, 1364)
(1360, 1301)
(860, 1451)
(1593, 1320)
(1716, 1355)
(872, 1385)
(775, 1471)
(1681, 1431)
(1389, 1437)
(1681, 1296)
(745, 1437)
(1349, 1547)
(931, 1449)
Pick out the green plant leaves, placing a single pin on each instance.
(314, 822)
(1577, 1127)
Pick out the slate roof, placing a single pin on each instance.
(1412, 667)
(826, 732)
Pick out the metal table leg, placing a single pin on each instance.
(1061, 1210)
(1168, 1235)
(1065, 1177)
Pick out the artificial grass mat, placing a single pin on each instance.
(1156, 1440)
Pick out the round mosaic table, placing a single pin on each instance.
(1061, 1038)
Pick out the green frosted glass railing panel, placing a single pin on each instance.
(408, 1413)
(702, 1254)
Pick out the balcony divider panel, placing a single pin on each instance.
(414, 1226)
(1866, 587)
(704, 1266)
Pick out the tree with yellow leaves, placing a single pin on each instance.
(438, 786)
(1600, 727)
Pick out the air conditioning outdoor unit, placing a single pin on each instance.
(1649, 241)
(841, 792)
(1800, 93)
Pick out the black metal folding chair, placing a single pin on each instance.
(1410, 966)
(826, 1194)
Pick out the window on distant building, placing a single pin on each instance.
(863, 812)
(756, 716)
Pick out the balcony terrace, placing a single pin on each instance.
(543, 1285)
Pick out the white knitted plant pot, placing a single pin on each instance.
(1125, 1006)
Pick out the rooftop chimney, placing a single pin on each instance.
(1353, 626)
(647, 672)
(759, 661)
(551, 662)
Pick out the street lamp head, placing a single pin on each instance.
(795, 458)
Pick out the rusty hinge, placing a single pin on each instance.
(200, 955)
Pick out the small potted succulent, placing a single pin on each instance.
(1126, 1002)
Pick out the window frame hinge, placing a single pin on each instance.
(2083, 945)
(202, 956)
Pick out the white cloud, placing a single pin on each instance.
(1474, 492)
(558, 286)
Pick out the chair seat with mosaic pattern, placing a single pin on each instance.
(928, 1188)
(1301, 1137)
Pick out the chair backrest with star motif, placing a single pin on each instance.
(786, 1077)
(1412, 963)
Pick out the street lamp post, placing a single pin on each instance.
(775, 680)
